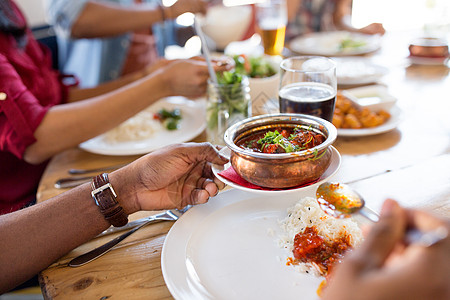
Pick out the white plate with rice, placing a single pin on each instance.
(142, 133)
(232, 248)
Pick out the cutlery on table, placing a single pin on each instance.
(69, 182)
(156, 218)
(84, 171)
(170, 215)
(339, 200)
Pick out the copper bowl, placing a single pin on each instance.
(281, 170)
(428, 47)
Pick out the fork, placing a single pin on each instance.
(170, 215)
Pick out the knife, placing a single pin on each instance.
(99, 251)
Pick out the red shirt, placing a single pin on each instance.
(31, 88)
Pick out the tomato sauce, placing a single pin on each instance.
(309, 247)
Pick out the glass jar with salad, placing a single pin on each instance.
(228, 103)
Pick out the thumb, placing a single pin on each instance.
(211, 154)
(198, 152)
(383, 237)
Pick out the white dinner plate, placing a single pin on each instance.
(357, 70)
(392, 123)
(192, 124)
(329, 172)
(327, 43)
(227, 249)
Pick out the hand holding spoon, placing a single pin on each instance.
(340, 201)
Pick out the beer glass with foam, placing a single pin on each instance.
(271, 20)
(308, 85)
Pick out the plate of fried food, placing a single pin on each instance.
(365, 111)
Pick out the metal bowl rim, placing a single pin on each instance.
(332, 135)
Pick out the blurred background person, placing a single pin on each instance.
(41, 116)
(307, 16)
(99, 41)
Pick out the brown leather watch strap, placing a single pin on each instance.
(106, 199)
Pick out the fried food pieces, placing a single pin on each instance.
(348, 115)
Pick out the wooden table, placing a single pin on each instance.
(410, 164)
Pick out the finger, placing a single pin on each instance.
(198, 58)
(207, 152)
(199, 196)
(211, 188)
(207, 171)
(194, 178)
(198, 152)
(383, 237)
(425, 224)
(425, 221)
(221, 185)
(211, 185)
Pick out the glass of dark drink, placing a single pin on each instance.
(308, 85)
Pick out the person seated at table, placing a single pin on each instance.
(102, 40)
(179, 175)
(307, 16)
(40, 117)
(172, 177)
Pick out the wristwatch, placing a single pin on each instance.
(106, 199)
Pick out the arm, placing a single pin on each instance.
(292, 8)
(343, 21)
(76, 94)
(100, 19)
(36, 236)
(385, 268)
(67, 125)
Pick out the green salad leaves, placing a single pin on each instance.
(254, 67)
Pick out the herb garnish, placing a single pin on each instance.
(315, 155)
(253, 66)
(275, 138)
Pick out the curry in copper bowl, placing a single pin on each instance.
(281, 150)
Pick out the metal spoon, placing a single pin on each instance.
(340, 201)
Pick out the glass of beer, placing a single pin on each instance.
(308, 85)
(271, 20)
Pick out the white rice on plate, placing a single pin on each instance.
(139, 127)
(306, 213)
